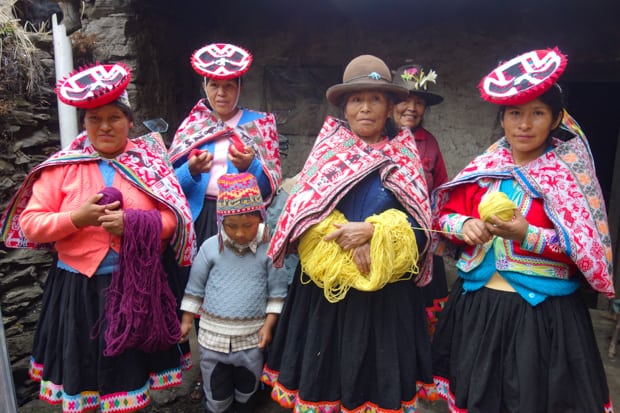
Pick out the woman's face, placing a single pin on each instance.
(410, 112)
(222, 95)
(241, 228)
(108, 129)
(367, 112)
(527, 128)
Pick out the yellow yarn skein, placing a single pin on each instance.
(496, 203)
(393, 255)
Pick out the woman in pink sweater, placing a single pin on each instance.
(109, 207)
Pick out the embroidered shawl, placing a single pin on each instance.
(565, 178)
(202, 126)
(337, 162)
(146, 166)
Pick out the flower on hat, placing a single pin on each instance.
(419, 79)
(409, 73)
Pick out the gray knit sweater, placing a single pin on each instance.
(234, 292)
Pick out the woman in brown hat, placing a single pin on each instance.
(410, 114)
(352, 335)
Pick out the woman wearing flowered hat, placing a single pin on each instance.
(410, 114)
(529, 216)
(109, 208)
(219, 137)
(353, 334)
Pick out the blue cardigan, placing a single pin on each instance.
(195, 187)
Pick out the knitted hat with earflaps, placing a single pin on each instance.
(238, 194)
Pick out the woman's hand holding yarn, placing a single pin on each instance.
(361, 257)
(90, 211)
(351, 234)
(241, 159)
(113, 222)
(199, 162)
(501, 216)
(475, 232)
(514, 229)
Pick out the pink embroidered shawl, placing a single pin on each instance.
(201, 126)
(338, 161)
(146, 166)
(565, 178)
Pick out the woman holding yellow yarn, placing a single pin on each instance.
(515, 335)
(352, 335)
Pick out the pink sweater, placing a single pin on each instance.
(60, 190)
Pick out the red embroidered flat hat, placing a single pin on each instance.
(523, 78)
(221, 61)
(95, 86)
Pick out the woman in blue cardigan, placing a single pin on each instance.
(219, 137)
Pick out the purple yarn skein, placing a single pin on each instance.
(110, 194)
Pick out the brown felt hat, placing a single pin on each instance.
(365, 72)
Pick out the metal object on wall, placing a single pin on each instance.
(156, 125)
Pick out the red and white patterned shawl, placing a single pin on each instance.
(146, 166)
(565, 178)
(201, 126)
(337, 162)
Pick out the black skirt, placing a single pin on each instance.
(495, 353)
(68, 355)
(435, 293)
(370, 350)
(205, 225)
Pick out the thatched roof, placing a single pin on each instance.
(20, 71)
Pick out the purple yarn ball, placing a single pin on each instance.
(110, 194)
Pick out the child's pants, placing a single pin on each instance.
(230, 377)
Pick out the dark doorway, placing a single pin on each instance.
(596, 107)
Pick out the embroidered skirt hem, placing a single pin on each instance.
(367, 352)
(68, 357)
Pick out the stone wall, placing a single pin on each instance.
(299, 48)
(28, 135)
